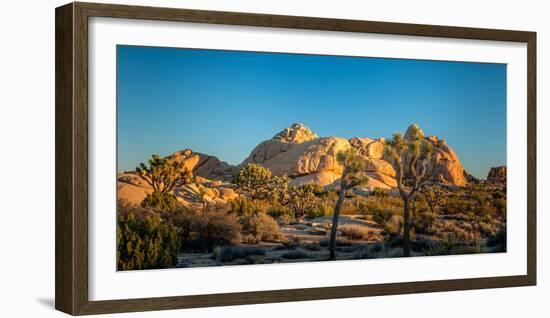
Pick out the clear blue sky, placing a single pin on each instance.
(224, 103)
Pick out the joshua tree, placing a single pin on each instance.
(303, 198)
(163, 175)
(352, 166)
(434, 196)
(278, 187)
(410, 158)
(255, 180)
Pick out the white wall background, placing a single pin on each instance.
(27, 158)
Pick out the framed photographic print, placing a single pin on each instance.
(211, 158)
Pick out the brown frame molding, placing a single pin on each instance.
(71, 154)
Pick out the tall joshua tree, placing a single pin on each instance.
(410, 158)
(163, 175)
(352, 166)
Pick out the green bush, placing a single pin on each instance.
(162, 202)
(243, 206)
(320, 209)
(280, 212)
(145, 241)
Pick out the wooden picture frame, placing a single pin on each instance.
(71, 90)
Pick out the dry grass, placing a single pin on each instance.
(357, 232)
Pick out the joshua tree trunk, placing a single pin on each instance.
(335, 217)
(406, 228)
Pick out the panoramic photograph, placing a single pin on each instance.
(229, 158)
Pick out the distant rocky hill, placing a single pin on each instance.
(300, 154)
(497, 174)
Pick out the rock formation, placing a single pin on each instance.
(304, 157)
(132, 189)
(296, 133)
(202, 165)
(310, 159)
(497, 174)
(446, 164)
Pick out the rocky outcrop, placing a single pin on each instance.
(367, 147)
(445, 163)
(497, 174)
(323, 178)
(309, 157)
(296, 133)
(305, 158)
(202, 165)
(132, 189)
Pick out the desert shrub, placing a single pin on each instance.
(394, 226)
(340, 241)
(424, 221)
(460, 217)
(314, 246)
(243, 206)
(475, 249)
(352, 207)
(381, 216)
(422, 243)
(487, 229)
(436, 250)
(356, 232)
(320, 209)
(393, 231)
(379, 193)
(202, 230)
(457, 205)
(449, 242)
(262, 227)
(186, 222)
(162, 202)
(293, 243)
(231, 253)
(279, 212)
(500, 206)
(295, 254)
(318, 231)
(217, 227)
(486, 209)
(145, 241)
